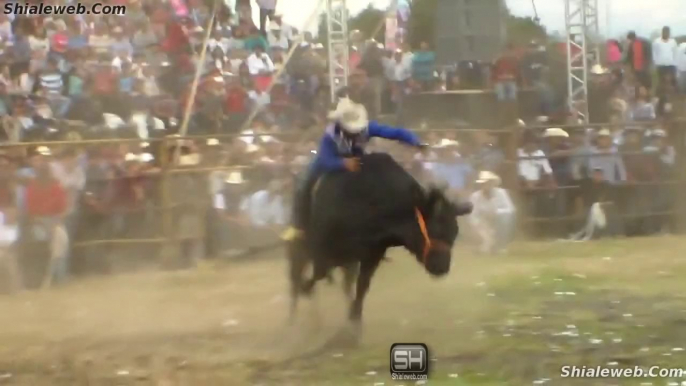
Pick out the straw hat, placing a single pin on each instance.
(599, 70)
(486, 176)
(555, 132)
(445, 142)
(189, 159)
(212, 142)
(351, 116)
(235, 178)
(130, 157)
(146, 157)
(43, 150)
(658, 133)
(604, 132)
(113, 121)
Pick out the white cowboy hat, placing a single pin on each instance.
(189, 159)
(604, 133)
(146, 157)
(486, 176)
(597, 69)
(252, 148)
(555, 132)
(351, 116)
(445, 142)
(43, 150)
(521, 123)
(113, 121)
(129, 157)
(234, 178)
(658, 133)
(212, 142)
(542, 119)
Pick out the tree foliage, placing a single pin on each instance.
(368, 21)
(520, 30)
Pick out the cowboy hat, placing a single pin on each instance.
(351, 116)
(43, 150)
(112, 121)
(235, 178)
(212, 142)
(445, 142)
(555, 132)
(189, 159)
(597, 69)
(486, 176)
(604, 132)
(130, 157)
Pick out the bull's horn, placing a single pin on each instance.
(464, 208)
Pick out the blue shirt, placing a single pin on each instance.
(335, 147)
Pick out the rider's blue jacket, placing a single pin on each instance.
(335, 145)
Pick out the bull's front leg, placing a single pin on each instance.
(367, 269)
(321, 269)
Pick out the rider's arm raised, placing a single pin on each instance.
(394, 133)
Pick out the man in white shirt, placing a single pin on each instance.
(266, 208)
(259, 63)
(681, 67)
(493, 214)
(664, 56)
(267, 10)
(533, 165)
(276, 37)
(9, 234)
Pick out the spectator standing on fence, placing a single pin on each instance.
(452, 168)
(605, 158)
(664, 56)
(267, 11)
(681, 67)
(423, 67)
(505, 76)
(72, 178)
(398, 73)
(639, 57)
(643, 109)
(46, 202)
(493, 214)
(266, 207)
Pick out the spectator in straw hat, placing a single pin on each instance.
(604, 157)
(557, 151)
(493, 214)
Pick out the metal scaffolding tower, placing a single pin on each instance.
(337, 33)
(581, 20)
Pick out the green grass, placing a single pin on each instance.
(492, 321)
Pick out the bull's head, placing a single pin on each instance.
(437, 229)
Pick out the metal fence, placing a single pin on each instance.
(168, 210)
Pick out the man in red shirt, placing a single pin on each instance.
(505, 74)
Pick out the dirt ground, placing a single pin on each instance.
(504, 320)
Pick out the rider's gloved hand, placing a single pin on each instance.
(423, 147)
(352, 164)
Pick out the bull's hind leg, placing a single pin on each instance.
(350, 273)
(297, 259)
(367, 269)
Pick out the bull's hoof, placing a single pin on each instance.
(307, 288)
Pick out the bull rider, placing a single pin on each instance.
(344, 142)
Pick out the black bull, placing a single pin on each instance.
(356, 217)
